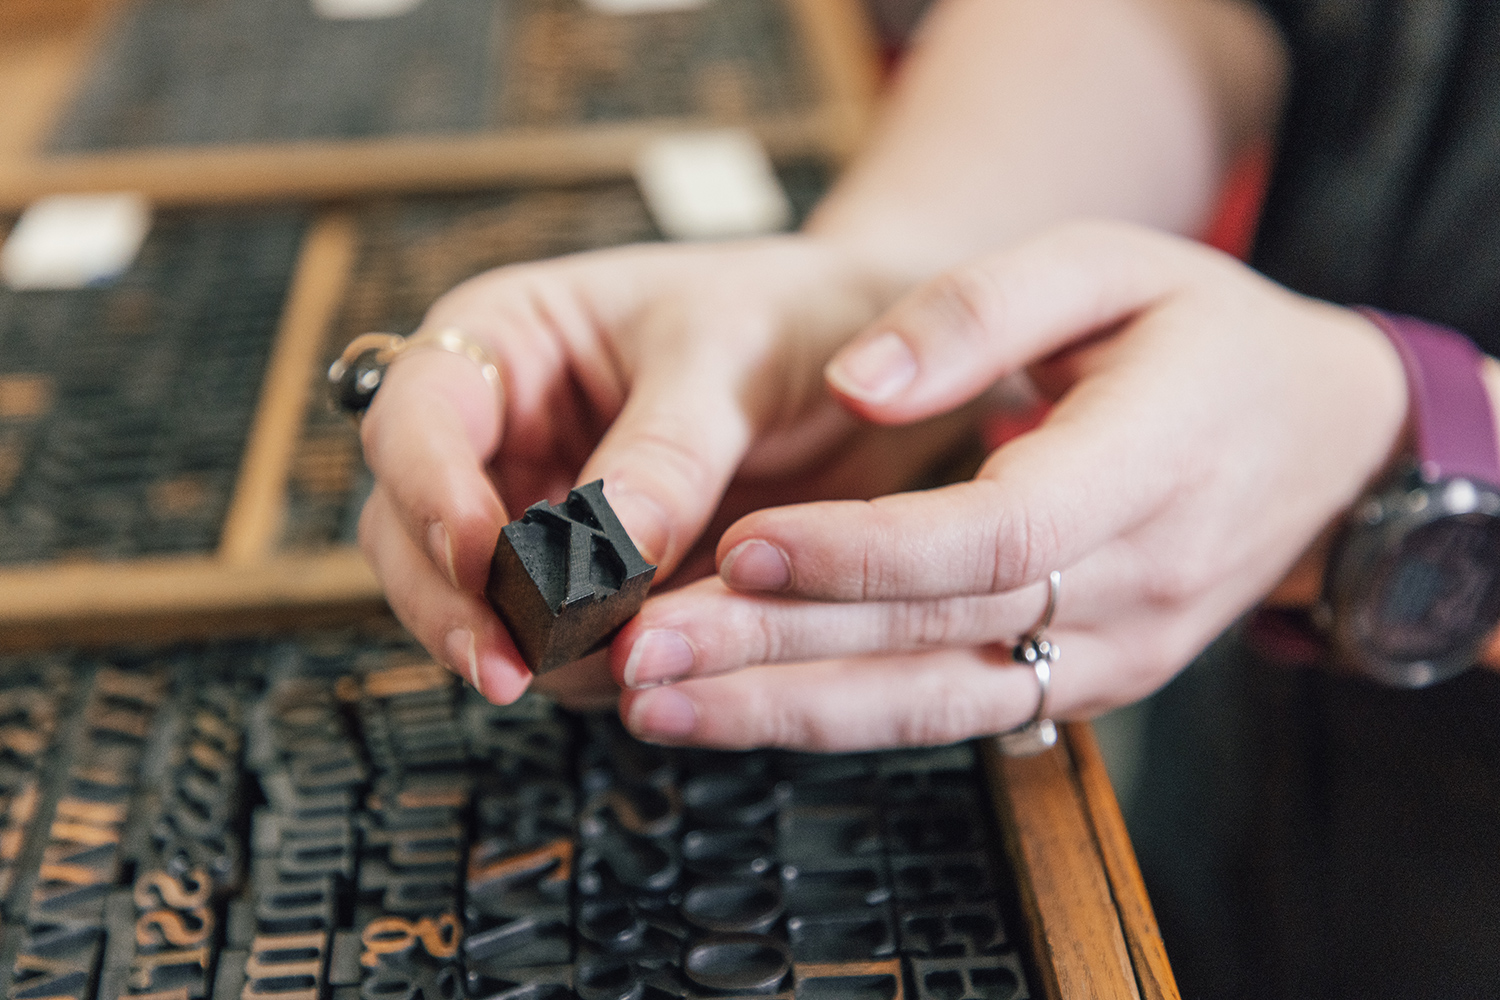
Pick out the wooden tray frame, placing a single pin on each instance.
(46, 44)
(1093, 932)
(246, 584)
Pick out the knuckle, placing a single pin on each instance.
(935, 712)
(975, 302)
(1024, 546)
(753, 636)
(663, 447)
(945, 718)
(774, 721)
(921, 624)
(1176, 581)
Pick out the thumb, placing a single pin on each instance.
(950, 340)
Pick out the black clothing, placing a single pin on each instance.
(1387, 187)
(1303, 834)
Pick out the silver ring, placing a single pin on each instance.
(360, 369)
(1039, 652)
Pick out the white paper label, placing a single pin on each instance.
(711, 185)
(363, 10)
(642, 6)
(73, 241)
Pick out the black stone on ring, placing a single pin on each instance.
(1036, 650)
(359, 370)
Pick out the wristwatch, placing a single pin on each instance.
(1413, 585)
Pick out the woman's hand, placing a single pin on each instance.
(1209, 425)
(666, 371)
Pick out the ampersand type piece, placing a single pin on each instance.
(566, 577)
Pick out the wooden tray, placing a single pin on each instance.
(134, 766)
(493, 92)
(146, 489)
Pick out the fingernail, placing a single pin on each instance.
(875, 371)
(663, 714)
(658, 656)
(757, 565)
(645, 522)
(463, 656)
(441, 547)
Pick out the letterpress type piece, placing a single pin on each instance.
(978, 978)
(566, 577)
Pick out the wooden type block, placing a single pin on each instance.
(566, 577)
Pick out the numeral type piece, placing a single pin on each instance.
(565, 577)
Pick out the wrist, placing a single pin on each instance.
(1406, 584)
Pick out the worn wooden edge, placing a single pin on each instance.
(1065, 891)
(253, 524)
(1148, 952)
(323, 171)
(124, 601)
(836, 36)
(45, 46)
(842, 49)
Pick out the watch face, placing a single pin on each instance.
(1439, 592)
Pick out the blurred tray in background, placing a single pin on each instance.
(168, 463)
(124, 409)
(214, 100)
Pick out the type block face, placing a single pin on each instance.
(565, 577)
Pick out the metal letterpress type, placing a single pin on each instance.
(566, 577)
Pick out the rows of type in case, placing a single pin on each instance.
(334, 818)
(254, 71)
(124, 409)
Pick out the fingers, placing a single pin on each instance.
(672, 450)
(921, 699)
(1042, 502)
(951, 339)
(706, 629)
(456, 627)
(424, 437)
(584, 686)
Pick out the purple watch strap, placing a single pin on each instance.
(1450, 408)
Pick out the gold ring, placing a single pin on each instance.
(360, 369)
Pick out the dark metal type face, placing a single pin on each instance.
(335, 818)
(566, 577)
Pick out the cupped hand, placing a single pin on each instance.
(666, 371)
(1209, 427)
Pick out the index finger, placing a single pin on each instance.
(427, 436)
(1040, 503)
